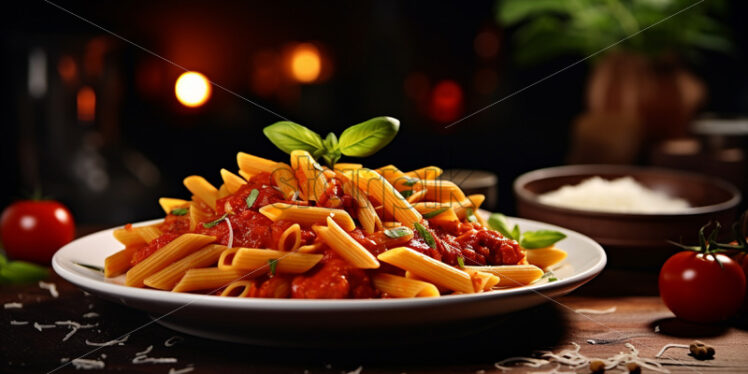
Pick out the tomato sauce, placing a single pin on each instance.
(333, 278)
(158, 243)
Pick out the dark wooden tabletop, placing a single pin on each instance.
(639, 318)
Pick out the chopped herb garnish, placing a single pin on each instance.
(273, 262)
(210, 224)
(497, 221)
(540, 239)
(435, 213)
(410, 182)
(425, 234)
(179, 211)
(398, 232)
(461, 262)
(407, 193)
(252, 197)
(92, 267)
(550, 276)
(470, 214)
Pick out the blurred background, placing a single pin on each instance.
(101, 125)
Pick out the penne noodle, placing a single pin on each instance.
(130, 236)
(391, 224)
(417, 196)
(378, 189)
(344, 166)
(197, 215)
(202, 189)
(365, 211)
(148, 233)
(347, 247)
(232, 181)
(311, 248)
(307, 215)
(245, 175)
(512, 275)
(242, 288)
(545, 258)
(223, 191)
(167, 278)
(208, 279)
(168, 204)
(284, 178)
(175, 250)
(253, 165)
(260, 259)
(428, 269)
(290, 239)
(119, 262)
(482, 281)
(425, 173)
(442, 190)
(309, 174)
(397, 286)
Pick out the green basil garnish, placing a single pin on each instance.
(425, 234)
(540, 239)
(179, 211)
(91, 267)
(407, 193)
(470, 215)
(410, 182)
(461, 262)
(368, 137)
(550, 276)
(435, 213)
(398, 232)
(289, 137)
(497, 221)
(210, 224)
(273, 262)
(252, 197)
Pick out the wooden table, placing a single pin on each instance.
(554, 325)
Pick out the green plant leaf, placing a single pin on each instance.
(435, 213)
(514, 11)
(252, 197)
(398, 232)
(540, 238)
(21, 272)
(425, 234)
(289, 137)
(497, 221)
(516, 234)
(366, 138)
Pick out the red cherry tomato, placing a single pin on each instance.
(697, 289)
(34, 230)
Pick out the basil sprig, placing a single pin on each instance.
(252, 197)
(435, 213)
(220, 219)
(398, 232)
(273, 263)
(425, 234)
(528, 239)
(361, 140)
(20, 271)
(179, 211)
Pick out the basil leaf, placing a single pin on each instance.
(516, 235)
(461, 262)
(407, 193)
(425, 234)
(398, 232)
(470, 215)
(273, 262)
(435, 213)
(540, 238)
(366, 138)
(91, 267)
(330, 142)
(550, 276)
(21, 272)
(497, 221)
(3, 259)
(178, 211)
(289, 137)
(331, 158)
(410, 182)
(210, 224)
(252, 197)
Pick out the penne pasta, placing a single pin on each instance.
(397, 286)
(261, 259)
(232, 181)
(252, 165)
(245, 175)
(309, 174)
(512, 275)
(175, 250)
(167, 278)
(392, 201)
(242, 288)
(307, 215)
(425, 173)
(365, 211)
(168, 204)
(347, 247)
(119, 262)
(344, 166)
(208, 279)
(284, 177)
(202, 189)
(290, 239)
(428, 269)
(442, 190)
(128, 236)
(545, 258)
(148, 233)
(482, 281)
(197, 215)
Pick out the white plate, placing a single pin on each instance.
(325, 322)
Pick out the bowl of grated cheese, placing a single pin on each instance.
(632, 211)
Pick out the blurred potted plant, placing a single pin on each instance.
(639, 90)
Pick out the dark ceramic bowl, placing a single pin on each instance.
(632, 240)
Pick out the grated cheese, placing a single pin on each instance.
(173, 341)
(91, 315)
(41, 327)
(120, 341)
(181, 371)
(356, 371)
(74, 327)
(18, 323)
(668, 346)
(596, 311)
(142, 358)
(51, 287)
(622, 195)
(12, 305)
(85, 364)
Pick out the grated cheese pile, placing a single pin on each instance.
(622, 195)
(575, 360)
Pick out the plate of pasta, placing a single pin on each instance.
(298, 253)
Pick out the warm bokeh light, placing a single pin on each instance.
(192, 89)
(68, 69)
(86, 103)
(446, 101)
(306, 63)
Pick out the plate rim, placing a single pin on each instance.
(316, 305)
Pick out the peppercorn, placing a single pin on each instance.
(597, 367)
(633, 368)
(701, 351)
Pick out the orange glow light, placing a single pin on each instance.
(446, 101)
(86, 102)
(192, 89)
(306, 63)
